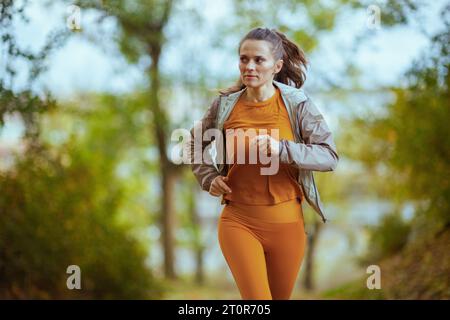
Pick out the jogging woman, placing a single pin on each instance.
(261, 227)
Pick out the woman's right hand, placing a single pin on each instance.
(219, 187)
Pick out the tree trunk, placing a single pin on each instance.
(168, 179)
(169, 171)
(199, 270)
(308, 280)
(197, 240)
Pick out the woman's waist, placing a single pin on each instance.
(282, 212)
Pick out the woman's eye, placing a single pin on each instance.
(257, 60)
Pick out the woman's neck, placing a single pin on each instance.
(259, 94)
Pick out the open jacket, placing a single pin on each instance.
(312, 150)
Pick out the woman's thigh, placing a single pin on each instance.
(245, 257)
(284, 248)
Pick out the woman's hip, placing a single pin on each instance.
(284, 212)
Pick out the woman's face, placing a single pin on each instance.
(256, 59)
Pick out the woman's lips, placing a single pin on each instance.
(250, 76)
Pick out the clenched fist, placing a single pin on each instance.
(267, 144)
(219, 187)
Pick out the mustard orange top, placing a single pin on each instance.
(247, 183)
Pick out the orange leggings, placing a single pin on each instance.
(263, 247)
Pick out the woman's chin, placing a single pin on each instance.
(251, 83)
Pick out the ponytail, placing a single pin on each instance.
(294, 63)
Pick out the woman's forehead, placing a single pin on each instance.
(255, 48)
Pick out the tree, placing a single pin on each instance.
(25, 102)
(141, 35)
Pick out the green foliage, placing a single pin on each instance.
(56, 211)
(10, 13)
(393, 12)
(354, 290)
(420, 271)
(141, 22)
(26, 103)
(408, 147)
(387, 238)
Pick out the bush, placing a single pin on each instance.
(54, 215)
(387, 238)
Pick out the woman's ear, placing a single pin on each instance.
(278, 66)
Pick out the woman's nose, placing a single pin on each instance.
(250, 66)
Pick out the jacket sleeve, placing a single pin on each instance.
(318, 150)
(203, 172)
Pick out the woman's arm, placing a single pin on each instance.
(205, 173)
(318, 152)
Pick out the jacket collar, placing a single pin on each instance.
(291, 95)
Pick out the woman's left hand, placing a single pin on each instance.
(267, 144)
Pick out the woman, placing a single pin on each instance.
(261, 227)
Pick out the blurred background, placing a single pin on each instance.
(91, 91)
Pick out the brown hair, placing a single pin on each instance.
(294, 60)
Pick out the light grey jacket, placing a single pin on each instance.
(312, 150)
